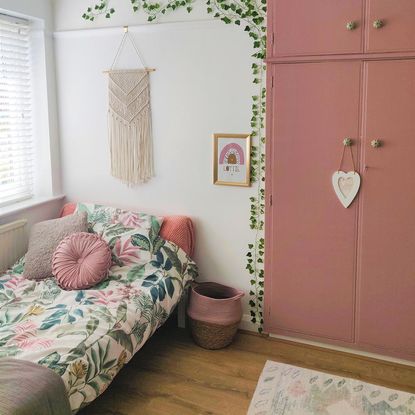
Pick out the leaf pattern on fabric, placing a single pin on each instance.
(124, 231)
(87, 336)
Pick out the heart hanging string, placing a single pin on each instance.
(347, 144)
(346, 185)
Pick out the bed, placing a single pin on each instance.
(87, 336)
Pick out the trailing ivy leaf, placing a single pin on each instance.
(252, 13)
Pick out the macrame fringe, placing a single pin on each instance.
(131, 148)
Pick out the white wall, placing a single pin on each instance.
(202, 85)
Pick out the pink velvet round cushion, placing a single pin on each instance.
(80, 261)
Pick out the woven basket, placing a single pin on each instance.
(212, 336)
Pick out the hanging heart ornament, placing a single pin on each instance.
(346, 186)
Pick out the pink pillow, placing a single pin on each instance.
(80, 261)
(179, 230)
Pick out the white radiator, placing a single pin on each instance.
(13, 243)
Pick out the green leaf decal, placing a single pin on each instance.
(249, 16)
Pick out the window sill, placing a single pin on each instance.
(27, 204)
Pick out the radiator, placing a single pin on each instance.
(13, 243)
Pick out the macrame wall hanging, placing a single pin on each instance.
(129, 120)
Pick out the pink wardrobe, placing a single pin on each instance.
(341, 69)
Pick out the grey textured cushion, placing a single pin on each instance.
(44, 238)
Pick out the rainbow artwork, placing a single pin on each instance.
(231, 158)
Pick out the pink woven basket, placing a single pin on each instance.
(215, 311)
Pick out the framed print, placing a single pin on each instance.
(232, 159)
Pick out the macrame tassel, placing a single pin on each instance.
(129, 122)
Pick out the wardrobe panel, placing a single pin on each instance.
(312, 257)
(304, 27)
(386, 305)
(391, 25)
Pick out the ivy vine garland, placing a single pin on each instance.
(251, 15)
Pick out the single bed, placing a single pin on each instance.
(87, 336)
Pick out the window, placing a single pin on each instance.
(16, 126)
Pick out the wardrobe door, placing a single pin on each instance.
(304, 27)
(312, 245)
(395, 25)
(386, 307)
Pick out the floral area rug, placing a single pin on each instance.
(288, 390)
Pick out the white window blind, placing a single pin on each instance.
(16, 127)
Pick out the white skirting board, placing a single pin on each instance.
(246, 324)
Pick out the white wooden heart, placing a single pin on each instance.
(346, 186)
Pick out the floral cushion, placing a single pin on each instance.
(133, 237)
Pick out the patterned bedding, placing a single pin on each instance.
(87, 336)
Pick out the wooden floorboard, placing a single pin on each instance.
(173, 376)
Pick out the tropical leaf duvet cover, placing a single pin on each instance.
(87, 336)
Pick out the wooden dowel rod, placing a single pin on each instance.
(129, 70)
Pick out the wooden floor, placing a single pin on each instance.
(173, 376)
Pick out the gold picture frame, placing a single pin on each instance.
(232, 159)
